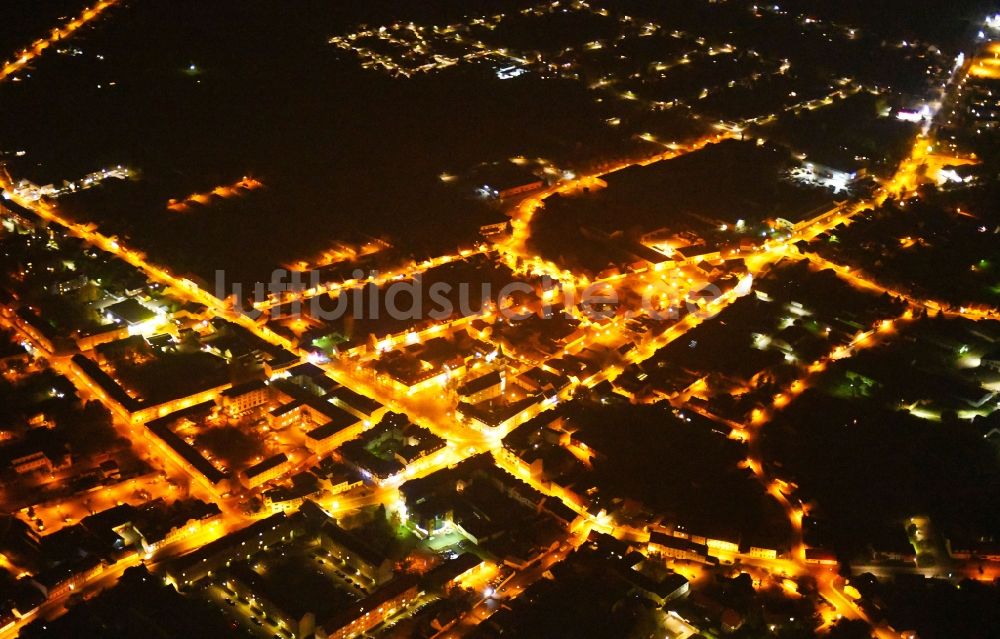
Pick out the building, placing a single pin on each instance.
(991, 360)
(335, 476)
(495, 231)
(132, 314)
(328, 420)
(354, 402)
(36, 460)
(267, 470)
(498, 414)
(87, 340)
(444, 577)
(763, 553)
(61, 580)
(126, 348)
(667, 545)
(340, 427)
(20, 543)
(14, 356)
(353, 551)
(213, 556)
(68, 285)
(157, 524)
(37, 329)
(482, 388)
(130, 408)
(502, 180)
(244, 398)
(15, 215)
(660, 592)
(821, 557)
(277, 360)
(161, 433)
(288, 498)
(286, 415)
(286, 612)
(370, 611)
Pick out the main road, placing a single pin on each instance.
(26, 55)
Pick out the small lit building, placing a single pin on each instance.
(88, 339)
(354, 402)
(36, 460)
(821, 557)
(286, 415)
(132, 314)
(339, 428)
(667, 545)
(244, 398)
(265, 471)
(482, 388)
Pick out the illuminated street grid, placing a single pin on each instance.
(458, 419)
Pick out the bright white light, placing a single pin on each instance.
(746, 284)
(949, 175)
(315, 357)
(506, 73)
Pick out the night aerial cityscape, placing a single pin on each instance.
(330, 319)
